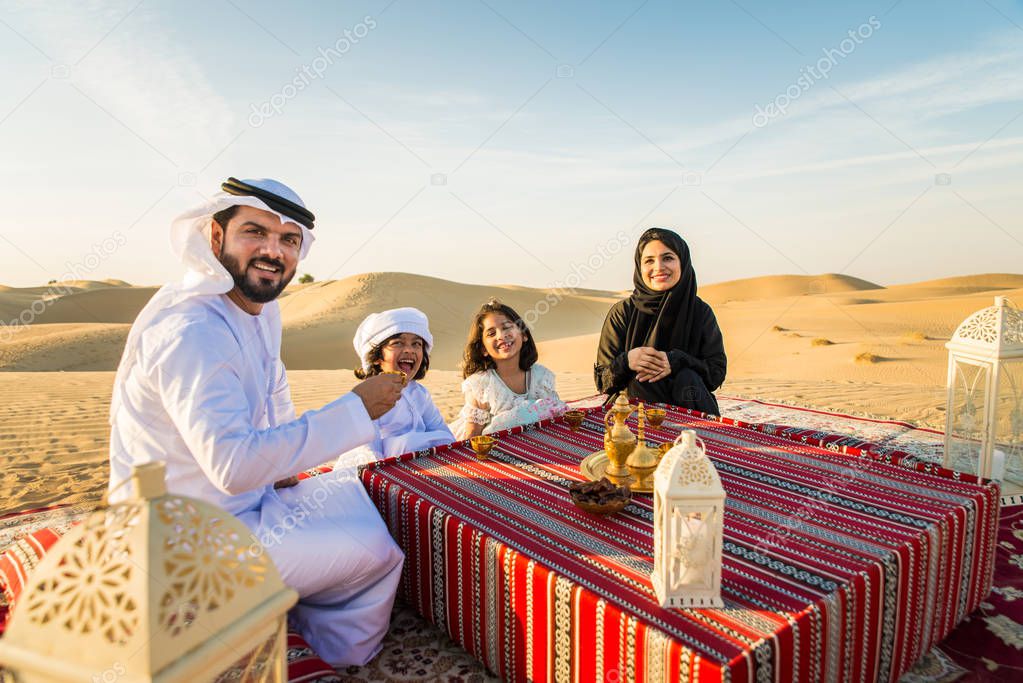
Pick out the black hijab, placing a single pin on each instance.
(664, 320)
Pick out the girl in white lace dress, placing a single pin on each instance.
(504, 385)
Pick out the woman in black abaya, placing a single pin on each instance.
(663, 343)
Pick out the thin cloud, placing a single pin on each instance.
(139, 72)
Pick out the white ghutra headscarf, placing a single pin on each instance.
(205, 275)
(378, 327)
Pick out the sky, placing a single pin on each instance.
(521, 142)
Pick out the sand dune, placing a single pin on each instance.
(59, 347)
(102, 305)
(776, 286)
(794, 339)
(980, 282)
(93, 284)
(320, 320)
(902, 325)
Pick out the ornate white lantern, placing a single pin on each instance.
(689, 506)
(158, 588)
(984, 413)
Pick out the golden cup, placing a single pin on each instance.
(641, 463)
(482, 445)
(404, 377)
(575, 418)
(664, 448)
(655, 417)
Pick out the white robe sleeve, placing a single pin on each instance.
(432, 429)
(202, 391)
(281, 406)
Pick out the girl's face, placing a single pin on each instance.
(404, 353)
(659, 266)
(502, 338)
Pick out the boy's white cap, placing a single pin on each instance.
(377, 327)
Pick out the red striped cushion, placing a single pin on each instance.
(21, 558)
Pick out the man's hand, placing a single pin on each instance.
(649, 364)
(379, 393)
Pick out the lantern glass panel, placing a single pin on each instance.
(1008, 437)
(691, 556)
(967, 414)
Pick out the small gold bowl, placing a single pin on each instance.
(654, 417)
(575, 418)
(664, 448)
(483, 444)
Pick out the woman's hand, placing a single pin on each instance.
(649, 364)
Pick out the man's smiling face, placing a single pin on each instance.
(259, 252)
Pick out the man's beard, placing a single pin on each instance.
(256, 291)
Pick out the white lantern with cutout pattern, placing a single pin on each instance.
(161, 588)
(984, 412)
(689, 506)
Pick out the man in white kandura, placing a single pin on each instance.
(202, 388)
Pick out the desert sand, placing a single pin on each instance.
(826, 341)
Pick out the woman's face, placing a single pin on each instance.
(502, 338)
(402, 353)
(659, 266)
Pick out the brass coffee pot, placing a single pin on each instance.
(643, 460)
(619, 441)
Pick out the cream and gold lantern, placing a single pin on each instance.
(689, 505)
(984, 413)
(158, 588)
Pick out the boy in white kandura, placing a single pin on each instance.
(398, 341)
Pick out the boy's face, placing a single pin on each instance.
(403, 353)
